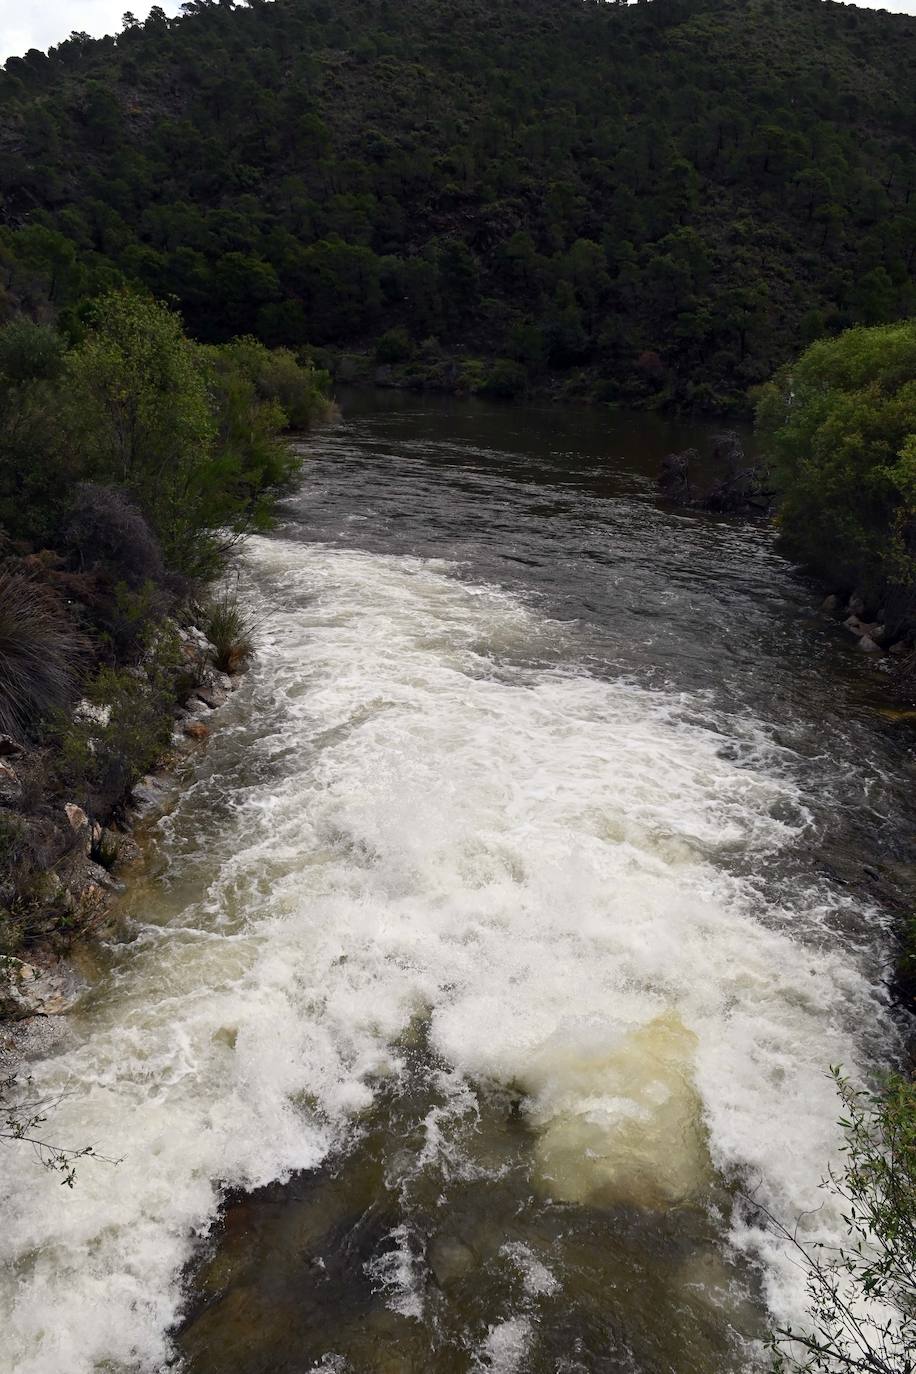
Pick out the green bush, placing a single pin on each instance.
(279, 377)
(40, 654)
(506, 379)
(138, 416)
(839, 429)
(34, 464)
(123, 728)
(190, 436)
(394, 346)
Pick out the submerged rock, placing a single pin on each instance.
(627, 1125)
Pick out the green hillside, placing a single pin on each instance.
(656, 203)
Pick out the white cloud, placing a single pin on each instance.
(28, 24)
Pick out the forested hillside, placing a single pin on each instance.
(653, 203)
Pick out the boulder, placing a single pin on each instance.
(79, 824)
(856, 605)
(211, 696)
(856, 626)
(36, 991)
(868, 646)
(9, 748)
(196, 730)
(830, 605)
(77, 817)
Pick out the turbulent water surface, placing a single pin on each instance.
(496, 950)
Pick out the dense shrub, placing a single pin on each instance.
(506, 379)
(278, 376)
(33, 462)
(394, 346)
(137, 415)
(124, 726)
(32, 898)
(106, 529)
(187, 437)
(839, 428)
(29, 352)
(40, 653)
(254, 461)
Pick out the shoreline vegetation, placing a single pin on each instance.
(132, 464)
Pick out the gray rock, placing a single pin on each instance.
(149, 793)
(49, 991)
(830, 605)
(77, 817)
(868, 645)
(9, 748)
(856, 626)
(856, 605)
(79, 824)
(102, 878)
(211, 696)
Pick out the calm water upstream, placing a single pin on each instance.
(498, 945)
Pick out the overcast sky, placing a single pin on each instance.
(28, 24)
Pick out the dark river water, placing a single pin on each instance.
(485, 976)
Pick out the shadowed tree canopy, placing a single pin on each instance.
(568, 186)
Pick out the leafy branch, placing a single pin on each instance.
(862, 1292)
(21, 1119)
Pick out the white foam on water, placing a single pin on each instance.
(537, 862)
(506, 1345)
(538, 1279)
(396, 1274)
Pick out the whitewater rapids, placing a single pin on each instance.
(420, 811)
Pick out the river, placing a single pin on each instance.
(493, 955)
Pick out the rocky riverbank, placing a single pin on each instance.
(64, 859)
